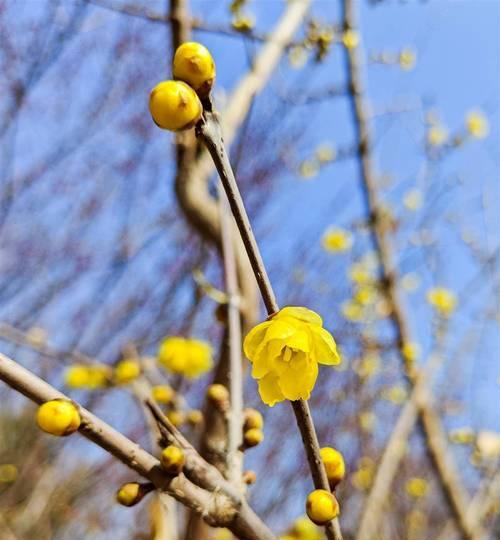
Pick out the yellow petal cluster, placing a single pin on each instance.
(126, 371)
(417, 487)
(477, 124)
(336, 240)
(442, 300)
(285, 352)
(188, 357)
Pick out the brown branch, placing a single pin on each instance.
(216, 508)
(431, 424)
(209, 131)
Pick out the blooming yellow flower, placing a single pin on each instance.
(477, 124)
(285, 352)
(417, 487)
(407, 59)
(413, 200)
(442, 300)
(188, 357)
(350, 39)
(336, 240)
(365, 295)
(437, 135)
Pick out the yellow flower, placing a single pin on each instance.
(477, 124)
(174, 105)
(321, 506)
(352, 311)
(395, 394)
(410, 351)
(335, 240)
(126, 371)
(413, 200)
(416, 487)
(188, 357)
(362, 479)
(285, 352)
(8, 473)
(132, 493)
(462, 436)
(91, 376)
(442, 300)
(407, 59)
(368, 366)
(224, 534)
(243, 23)
(325, 153)
(163, 393)
(365, 295)
(308, 169)
(98, 375)
(172, 459)
(304, 529)
(194, 65)
(350, 39)
(437, 135)
(58, 417)
(367, 421)
(359, 274)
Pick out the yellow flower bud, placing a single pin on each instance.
(132, 493)
(163, 393)
(8, 473)
(177, 418)
(77, 376)
(172, 459)
(416, 487)
(219, 395)
(195, 417)
(58, 417)
(303, 529)
(126, 371)
(321, 506)
(194, 65)
(252, 437)
(334, 465)
(249, 477)
(252, 419)
(174, 106)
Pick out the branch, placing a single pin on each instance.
(216, 508)
(209, 131)
(434, 433)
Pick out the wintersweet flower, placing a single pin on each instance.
(416, 487)
(477, 124)
(442, 300)
(336, 240)
(285, 352)
(188, 357)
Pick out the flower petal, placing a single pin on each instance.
(254, 338)
(325, 348)
(300, 313)
(269, 390)
(279, 329)
(299, 341)
(298, 381)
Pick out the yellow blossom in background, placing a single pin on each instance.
(362, 478)
(126, 371)
(243, 23)
(285, 352)
(309, 169)
(365, 295)
(416, 521)
(410, 281)
(395, 394)
(90, 376)
(368, 366)
(442, 300)
(463, 435)
(188, 357)
(410, 351)
(8, 473)
(437, 135)
(304, 529)
(417, 487)
(336, 240)
(297, 56)
(407, 59)
(488, 444)
(359, 274)
(367, 421)
(325, 153)
(163, 393)
(223, 534)
(350, 39)
(477, 124)
(413, 200)
(352, 311)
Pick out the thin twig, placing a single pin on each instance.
(209, 131)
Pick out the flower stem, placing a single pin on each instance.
(209, 131)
